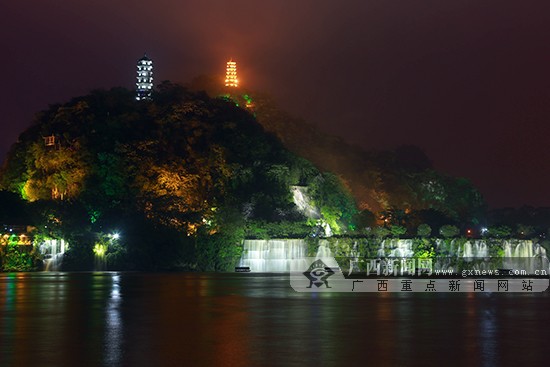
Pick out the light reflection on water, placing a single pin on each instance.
(114, 327)
(136, 319)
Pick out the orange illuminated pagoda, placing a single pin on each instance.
(231, 74)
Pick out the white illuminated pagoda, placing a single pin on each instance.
(231, 74)
(144, 84)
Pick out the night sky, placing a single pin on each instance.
(467, 81)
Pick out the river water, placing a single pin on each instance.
(182, 319)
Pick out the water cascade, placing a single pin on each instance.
(274, 256)
(53, 252)
(323, 251)
(396, 248)
(281, 255)
(325, 254)
(524, 254)
(475, 249)
(304, 203)
(524, 248)
(100, 261)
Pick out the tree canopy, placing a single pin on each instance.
(182, 163)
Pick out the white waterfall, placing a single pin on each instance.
(303, 202)
(525, 255)
(476, 249)
(324, 253)
(467, 251)
(507, 246)
(273, 256)
(523, 248)
(53, 252)
(306, 206)
(480, 249)
(402, 248)
(282, 255)
(396, 248)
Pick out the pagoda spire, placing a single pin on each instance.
(231, 74)
(144, 84)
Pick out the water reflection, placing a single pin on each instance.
(133, 319)
(7, 295)
(488, 332)
(113, 327)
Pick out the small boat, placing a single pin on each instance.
(242, 269)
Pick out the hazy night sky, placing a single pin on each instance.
(467, 81)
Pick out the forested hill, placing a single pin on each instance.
(175, 157)
(402, 179)
(181, 165)
(204, 150)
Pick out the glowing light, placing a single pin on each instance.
(100, 249)
(231, 74)
(116, 236)
(249, 102)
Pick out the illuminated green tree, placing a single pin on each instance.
(397, 231)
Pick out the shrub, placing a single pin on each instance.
(16, 259)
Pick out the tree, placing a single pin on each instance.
(380, 232)
(397, 231)
(364, 219)
(499, 231)
(424, 230)
(449, 231)
(525, 231)
(336, 202)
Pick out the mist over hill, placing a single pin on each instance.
(381, 181)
